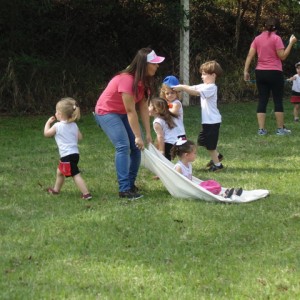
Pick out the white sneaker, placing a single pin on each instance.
(262, 131)
(283, 131)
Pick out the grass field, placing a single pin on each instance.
(158, 247)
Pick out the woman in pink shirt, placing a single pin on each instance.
(116, 114)
(269, 75)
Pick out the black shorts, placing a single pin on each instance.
(73, 159)
(209, 136)
(168, 148)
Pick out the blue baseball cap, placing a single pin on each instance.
(171, 81)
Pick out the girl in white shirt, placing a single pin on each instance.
(172, 97)
(165, 125)
(67, 134)
(186, 151)
(295, 98)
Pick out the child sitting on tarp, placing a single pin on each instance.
(186, 151)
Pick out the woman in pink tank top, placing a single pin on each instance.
(270, 51)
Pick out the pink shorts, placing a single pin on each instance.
(212, 186)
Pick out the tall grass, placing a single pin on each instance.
(158, 247)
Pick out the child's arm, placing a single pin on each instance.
(186, 88)
(292, 78)
(174, 108)
(48, 130)
(79, 135)
(178, 169)
(160, 138)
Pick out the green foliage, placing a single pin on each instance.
(53, 48)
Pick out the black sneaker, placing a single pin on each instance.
(130, 195)
(211, 163)
(134, 189)
(215, 168)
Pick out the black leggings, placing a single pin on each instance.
(268, 81)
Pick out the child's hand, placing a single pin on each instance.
(177, 88)
(51, 119)
(48, 130)
(291, 78)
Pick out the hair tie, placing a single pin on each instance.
(180, 142)
(75, 105)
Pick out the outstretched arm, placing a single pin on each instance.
(186, 88)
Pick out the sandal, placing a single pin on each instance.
(239, 191)
(229, 193)
(52, 191)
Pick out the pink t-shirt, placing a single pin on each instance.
(266, 46)
(110, 101)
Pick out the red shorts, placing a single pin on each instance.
(65, 168)
(295, 99)
(68, 165)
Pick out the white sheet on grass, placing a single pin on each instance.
(181, 187)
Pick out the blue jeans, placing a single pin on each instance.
(127, 155)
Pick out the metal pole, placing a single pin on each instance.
(185, 51)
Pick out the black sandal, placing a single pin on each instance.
(239, 191)
(229, 193)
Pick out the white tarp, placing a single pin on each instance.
(181, 187)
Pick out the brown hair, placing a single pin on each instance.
(69, 108)
(179, 150)
(272, 24)
(138, 69)
(211, 67)
(162, 109)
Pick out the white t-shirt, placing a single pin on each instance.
(66, 138)
(186, 171)
(170, 135)
(209, 97)
(179, 121)
(296, 84)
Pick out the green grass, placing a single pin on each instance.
(158, 247)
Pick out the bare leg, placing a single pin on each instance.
(214, 156)
(279, 119)
(296, 111)
(80, 184)
(60, 179)
(261, 119)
